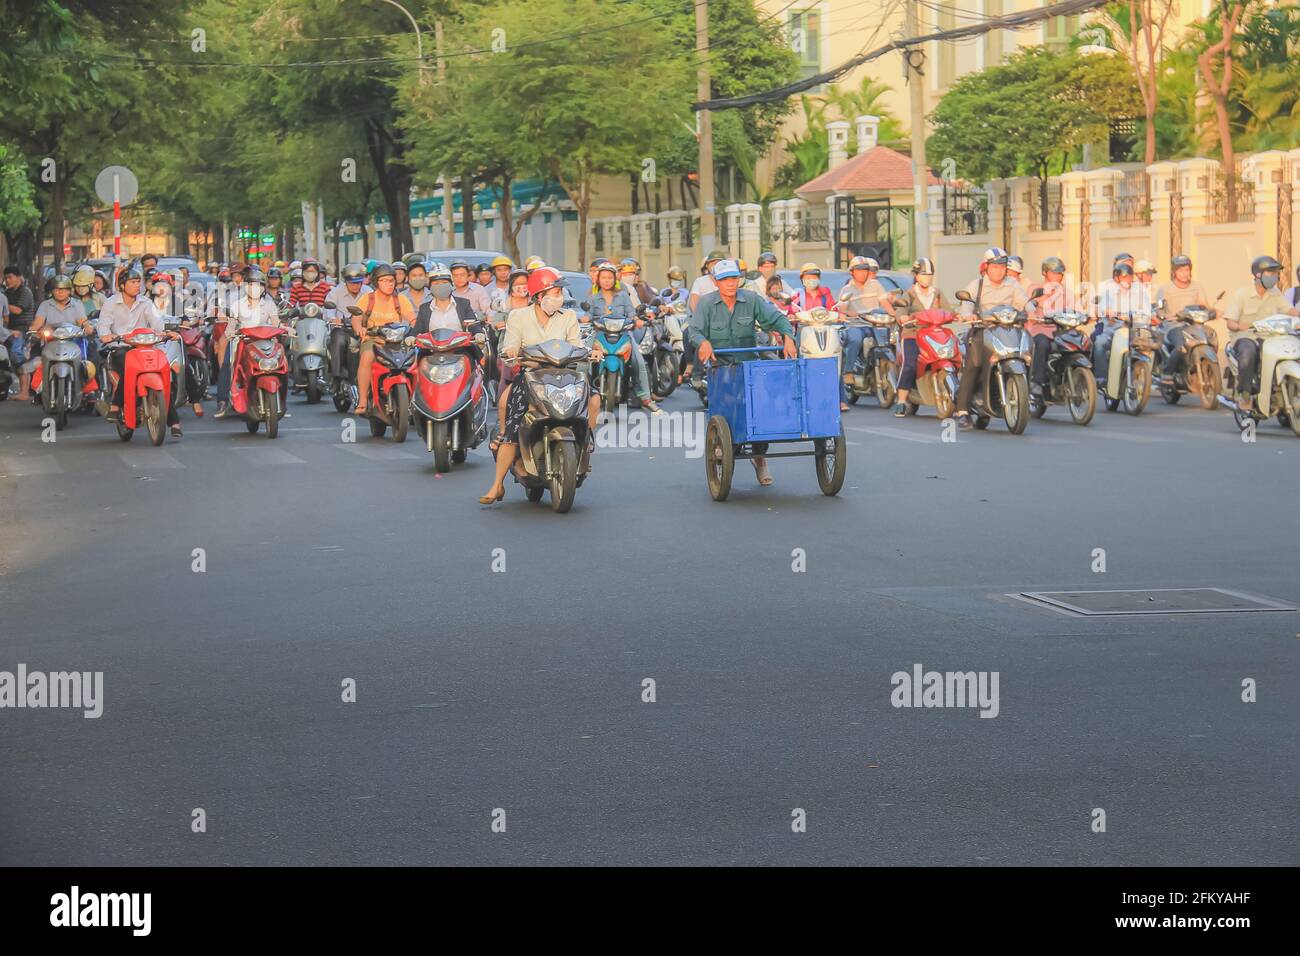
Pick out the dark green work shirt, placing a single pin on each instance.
(734, 329)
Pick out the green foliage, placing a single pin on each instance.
(1028, 115)
(17, 203)
(1264, 99)
(810, 151)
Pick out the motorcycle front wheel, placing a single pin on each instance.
(1081, 393)
(441, 446)
(665, 374)
(1208, 382)
(272, 403)
(1137, 390)
(564, 479)
(342, 400)
(1015, 411)
(886, 383)
(401, 412)
(155, 417)
(1291, 398)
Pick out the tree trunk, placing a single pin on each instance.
(467, 208)
(508, 229)
(56, 219)
(1218, 88)
(337, 225)
(394, 185)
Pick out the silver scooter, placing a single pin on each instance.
(309, 350)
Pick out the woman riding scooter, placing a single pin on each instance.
(544, 319)
(923, 295)
(609, 299)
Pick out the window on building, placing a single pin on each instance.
(806, 40)
(1057, 31)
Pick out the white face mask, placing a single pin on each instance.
(310, 275)
(254, 290)
(811, 282)
(676, 283)
(552, 303)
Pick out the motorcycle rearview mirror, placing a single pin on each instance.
(586, 306)
(353, 310)
(964, 296)
(330, 305)
(1036, 292)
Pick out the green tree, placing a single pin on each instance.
(1031, 114)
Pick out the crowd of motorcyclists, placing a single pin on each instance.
(511, 308)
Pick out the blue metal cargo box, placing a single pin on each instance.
(781, 400)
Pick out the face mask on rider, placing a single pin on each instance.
(254, 290)
(310, 275)
(552, 303)
(417, 282)
(676, 283)
(1268, 279)
(442, 290)
(811, 282)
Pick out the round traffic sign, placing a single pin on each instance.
(127, 186)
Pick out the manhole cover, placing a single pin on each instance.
(1153, 601)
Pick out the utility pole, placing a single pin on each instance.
(708, 224)
(912, 57)
(448, 225)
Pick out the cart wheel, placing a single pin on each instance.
(832, 463)
(719, 457)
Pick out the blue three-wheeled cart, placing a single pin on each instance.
(755, 403)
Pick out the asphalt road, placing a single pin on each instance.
(522, 690)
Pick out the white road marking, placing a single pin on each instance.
(147, 458)
(268, 456)
(23, 466)
(894, 433)
(388, 451)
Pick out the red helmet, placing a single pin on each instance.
(543, 279)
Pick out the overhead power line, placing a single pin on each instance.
(1011, 21)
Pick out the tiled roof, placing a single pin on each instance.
(879, 168)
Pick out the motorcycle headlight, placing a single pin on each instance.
(392, 335)
(267, 364)
(66, 332)
(441, 373)
(946, 349)
(563, 398)
(151, 338)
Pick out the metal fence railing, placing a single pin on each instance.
(965, 212)
(1133, 199)
(1040, 219)
(1232, 198)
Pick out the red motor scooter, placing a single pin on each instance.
(194, 338)
(259, 377)
(392, 379)
(146, 386)
(938, 361)
(450, 406)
